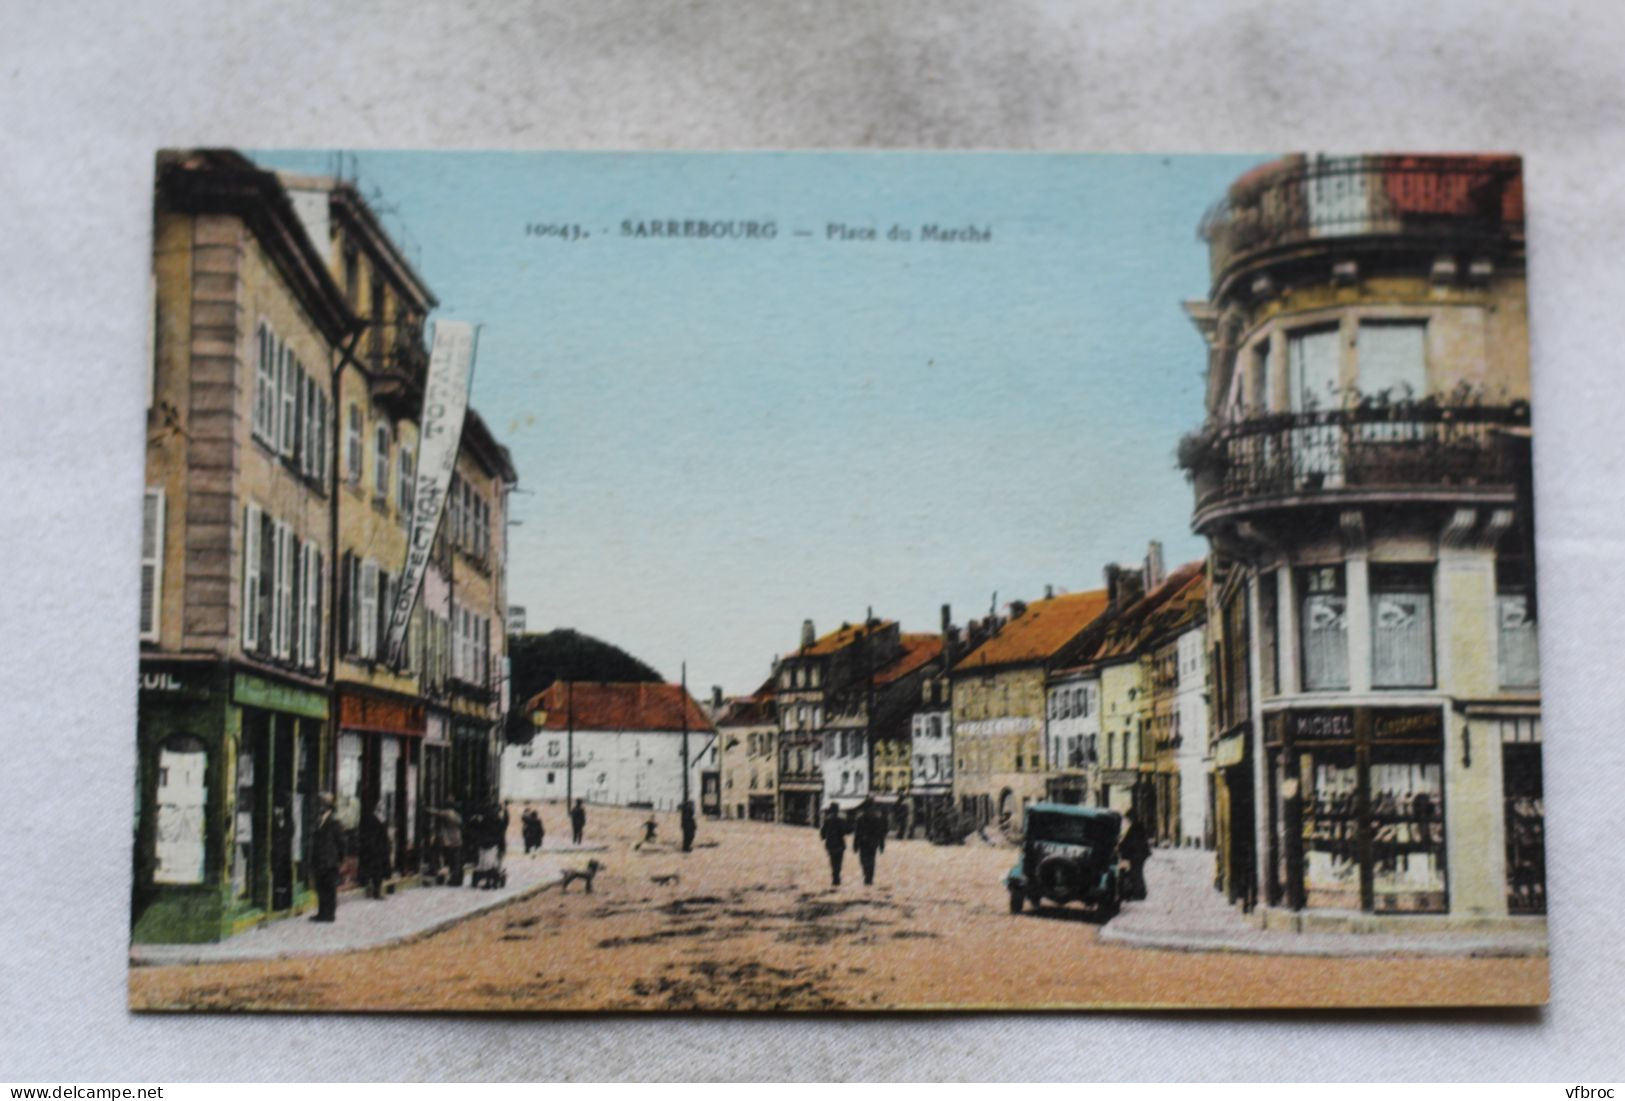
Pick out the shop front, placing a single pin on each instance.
(474, 763)
(229, 770)
(1357, 811)
(378, 760)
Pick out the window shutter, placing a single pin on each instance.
(152, 562)
(279, 598)
(290, 401)
(296, 601)
(317, 587)
(346, 607)
(251, 577)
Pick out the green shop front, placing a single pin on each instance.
(230, 763)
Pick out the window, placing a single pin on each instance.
(368, 610)
(1258, 378)
(352, 446)
(265, 386)
(1312, 370)
(405, 495)
(1401, 626)
(311, 647)
(152, 562)
(1517, 656)
(1393, 361)
(282, 591)
(1323, 626)
(380, 462)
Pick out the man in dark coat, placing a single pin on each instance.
(869, 837)
(326, 853)
(833, 832)
(578, 821)
(1135, 849)
(690, 827)
(375, 852)
(531, 825)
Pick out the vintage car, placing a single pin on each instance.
(1068, 854)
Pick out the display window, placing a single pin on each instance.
(1330, 816)
(1407, 831)
(181, 795)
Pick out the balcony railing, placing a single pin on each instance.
(1407, 448)
(1466, 199)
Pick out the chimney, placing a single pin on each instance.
(808, 635)
(947, 636)
(1154, 571)
(1049, 592)
(1018, 608)
(1114, 588)
(716, 699)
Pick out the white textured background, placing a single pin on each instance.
(92, 89)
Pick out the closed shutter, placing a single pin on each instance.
(290, 401)
(296, 600)
(318, 636)
(251, 577)
(152, 562)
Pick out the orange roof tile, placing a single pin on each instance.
(600, 706)
(918, 650)
(1039, 632)
(839, 639)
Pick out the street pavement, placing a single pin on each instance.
(1182, 911)
(750, 921)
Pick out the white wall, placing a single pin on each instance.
(613, 767)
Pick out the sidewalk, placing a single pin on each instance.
(1183, 912)
(408, 914)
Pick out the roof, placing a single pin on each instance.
(1139, 621)
(757, 710)
(1040, 632)
(223, 181)
(596, 705)
(841, 639)
(918, 651)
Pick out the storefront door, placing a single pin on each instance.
(1523, 786)
(282, 814)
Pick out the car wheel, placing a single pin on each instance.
(1016, 899)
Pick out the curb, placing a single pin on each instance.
(337, 950)
(1176, 942)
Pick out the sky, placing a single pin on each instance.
(719, 438)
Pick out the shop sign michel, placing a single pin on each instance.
(1347, 724)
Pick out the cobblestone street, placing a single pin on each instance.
(748, 921)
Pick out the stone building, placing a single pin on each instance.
(235, 720)
(747, 732)
(1363, 480)
(999, 705)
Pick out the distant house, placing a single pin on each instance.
(748, 729)
(614, 744)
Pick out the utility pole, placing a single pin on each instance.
(682, 705)
(570, 727)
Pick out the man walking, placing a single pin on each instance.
(869, 837)
(833, 831)
(1135, 849)
(690, 827)
(578, 821)
(326, 853)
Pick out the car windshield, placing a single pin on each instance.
(1071, 829)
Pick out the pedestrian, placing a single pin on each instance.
(1135, 849)
(530, 824)
(451, 844)
(690, 827)
(869, 837)
(375, 850)
(578, 821)
(490, 840)
(326, 853)
(649, 828)
(474, 831)
(502, 820)
(833, 832)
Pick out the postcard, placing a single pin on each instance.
(837, 582)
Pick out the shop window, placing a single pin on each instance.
(1401, 626)
(180, 801)
(348, 796)
(1323, 628)
(1525, 828)
(1407, 830)
(243, 853)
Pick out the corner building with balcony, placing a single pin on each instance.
(1363, 480)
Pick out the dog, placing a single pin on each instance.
(584, 874)
(664, 880)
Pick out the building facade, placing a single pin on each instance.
(931, 743)
(613, 744)
(235, 717)
(1363, 480)
(1000, 706)
(747, 733)
(822, 676)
